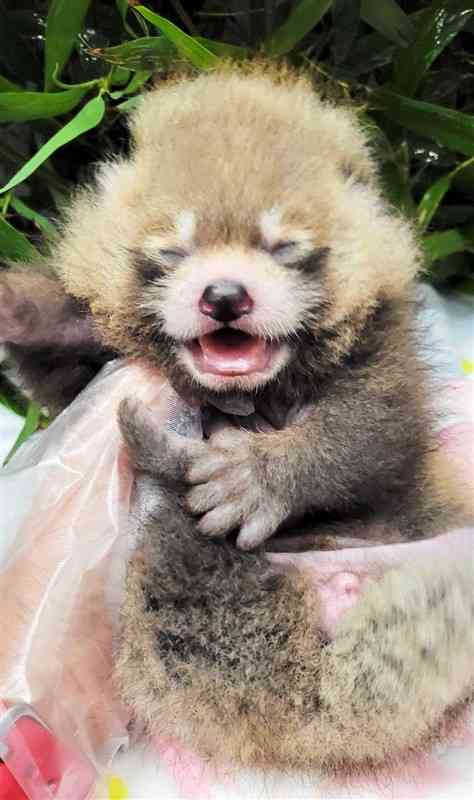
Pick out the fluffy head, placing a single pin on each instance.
(241, 177)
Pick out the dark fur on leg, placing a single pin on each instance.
(227, 656)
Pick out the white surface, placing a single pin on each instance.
(144, 777)
(10, 426)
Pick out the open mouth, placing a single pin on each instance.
(229, 352)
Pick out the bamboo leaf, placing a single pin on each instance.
(130, 104)
(152, 52)
(191, 49)
(451, 128)
(433, 196)
(32, 422)
(437, 27)
(139, 78)
(146, 53)
(87, 118)
(345, 20)
(9, 86)
(224, 50)
(301, 20)
(464, 181)
(443, 243)
(122, 7)
(14, 245)
(64, 23)
(27, 106)
(11, 397)
(396, 187)
(387, 18)
(33, 216)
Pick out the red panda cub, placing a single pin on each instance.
(243, 247)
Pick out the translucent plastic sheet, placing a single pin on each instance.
(64, 543)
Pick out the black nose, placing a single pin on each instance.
(225, 301)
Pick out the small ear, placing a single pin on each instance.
(36, 311)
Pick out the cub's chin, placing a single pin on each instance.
(227, 360)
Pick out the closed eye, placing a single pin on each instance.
(171, 256)
(284, 250)
(152, 267)
(312, 262)
(289, 253)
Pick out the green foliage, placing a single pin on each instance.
(71, 70)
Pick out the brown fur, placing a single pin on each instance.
(364, 447)
(213, 648)
(227, 656)
(49, 335)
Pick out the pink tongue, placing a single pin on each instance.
(233, 355)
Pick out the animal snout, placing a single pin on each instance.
(225, 301)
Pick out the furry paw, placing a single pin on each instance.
(18, 314)
(153, 447)
(226, 489)
(229, 492)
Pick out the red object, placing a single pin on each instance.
(35, 764)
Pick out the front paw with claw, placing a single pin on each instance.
(220, 477)
(229, 493)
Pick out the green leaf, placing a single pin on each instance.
(34, 216)
(466, 287)
(146, 53)
(301, 20)
(191, 49)
(11, 397)
(387, 18)
(155, 52)
(14, 245)
(464, 181)
(451, 128)
(130, 104)
(368, 53)
(87, 118)
(224, 50)
(345, 23)
(138, 79)
(396, 187)
(9, 86)
(443, 243)
(455, 266)
(437, 27)
(433, 196)
(26, 106)
(64, 23)
(32, 422)
(120, 76)
(122, 7)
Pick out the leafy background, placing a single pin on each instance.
(71, 70)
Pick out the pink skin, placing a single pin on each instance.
(339, 576)
(215, 355)
(194, 777)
